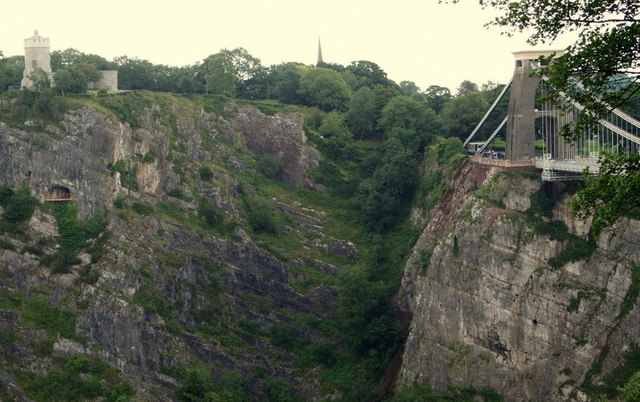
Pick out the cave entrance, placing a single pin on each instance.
(58, 193)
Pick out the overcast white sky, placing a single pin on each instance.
(415, 40)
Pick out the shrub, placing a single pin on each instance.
(261, 216)
(127, 174)
(209, 213)
(179, 194)
(74, 235)
(206, 173)
(142, 208)
(39, 313)
(119, 203)
(270, 166)
(18, 207)
(80, 378)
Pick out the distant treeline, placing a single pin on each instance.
(359, 91)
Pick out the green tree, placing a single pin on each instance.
(89, 70)
(71, 80)
(437, 97)
(286, 78)
(187, 80)
(244, 65)
(361, 116)
(220, 75)
(134, 73)
(631, 390)
(65, 58)
(466, 88)
(40, 80)
(227, 71)
(615, 192)
(463, 112)
(325, 89)
(606, 48)
(11, 69)
(410, 89)
(338, 139)
(392, 183)
(366, 312)
(410, 114)
(369, 74)
(382, 96)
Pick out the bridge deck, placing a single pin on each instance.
(576, 165)
(502, 162)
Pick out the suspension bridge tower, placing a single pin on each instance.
(532, 115)
(524, 107)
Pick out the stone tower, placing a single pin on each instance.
(521, 124)
(36, 55)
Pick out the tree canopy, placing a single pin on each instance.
(324, 88)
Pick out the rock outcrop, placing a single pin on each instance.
(168, 288)
(497, 304)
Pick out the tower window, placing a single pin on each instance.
(34, 63)
(518, 63)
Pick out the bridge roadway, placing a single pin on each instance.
(551, 169)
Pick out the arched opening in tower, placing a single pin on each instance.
(58, 193)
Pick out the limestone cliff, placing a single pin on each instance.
(174, 283)
(508, 295)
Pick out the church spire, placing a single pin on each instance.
(320, 61)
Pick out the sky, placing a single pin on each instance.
(411, 40)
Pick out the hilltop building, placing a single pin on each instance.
(37, 55)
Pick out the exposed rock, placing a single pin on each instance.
(285, 142)
(163, 292)
(490, 312)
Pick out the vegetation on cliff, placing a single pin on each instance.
(357, 339)
(253, 285)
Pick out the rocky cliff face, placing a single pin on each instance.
(171, 286)
(499, 301)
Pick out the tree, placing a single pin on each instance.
(244, 65)
(286, 82)
(409, 114)
(324, 88)
(608, 46)
(11, 69)
(40, 80)
(134, 73)
(410, 89)
(437, 97)
(382, 96)
(361, 116)
(227, 71)
(89, 70)
(73, 79)
(338, 138)
(463, 113)
(68, 57)
(631, 390)
(258, 86)
(614, 193)
(467, 87)
(369, 74)
(220, 75)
